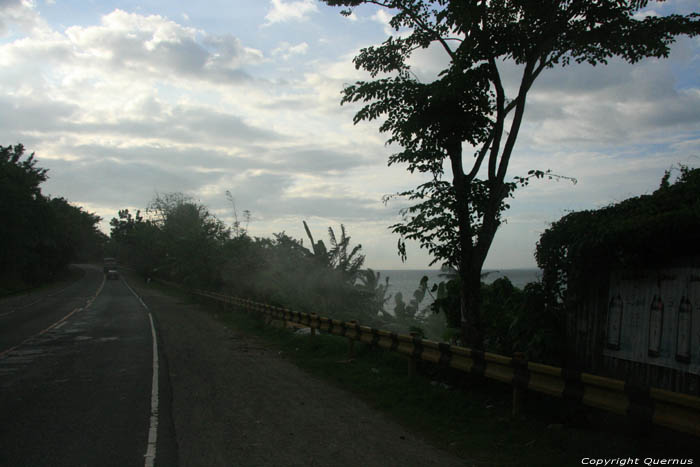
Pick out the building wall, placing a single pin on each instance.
(642, 326)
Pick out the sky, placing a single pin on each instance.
(124, 100)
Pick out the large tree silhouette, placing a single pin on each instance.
(39, 235)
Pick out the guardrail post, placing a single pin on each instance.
(351, 342)
(519, 381)
(411, 359)
(313, 318)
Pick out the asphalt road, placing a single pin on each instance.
(77, 388)
(77, 385)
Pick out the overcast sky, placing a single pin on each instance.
(123, 100)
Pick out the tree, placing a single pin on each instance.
(466, 106)
(193, 239)
(75, 233)
(137, 242)
(39, 235)
(21, 210)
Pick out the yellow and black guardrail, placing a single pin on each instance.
(650, 405)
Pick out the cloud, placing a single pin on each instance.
(180, 158)
(18, 14)
(610, 105)
(273, 195)
(35, 115)
(383, 18)
(290, 11)
(327, 161)
(227, 51)
(645, 14)
(199, 123)
(288, 103)
(155, 45)
(287, 50)
(145, 119)
(352, 208)
(117, 184)
(129, 44)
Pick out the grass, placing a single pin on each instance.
(468, 416)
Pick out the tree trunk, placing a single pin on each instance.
(470, 302)
(469, 262)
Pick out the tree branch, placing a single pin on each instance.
(525, 84)
(425, 28)
(500, 117)
(480, 158)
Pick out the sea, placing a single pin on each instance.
(407, 281)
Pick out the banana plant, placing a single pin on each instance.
(346, 263)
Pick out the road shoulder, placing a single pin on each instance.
(235, 401)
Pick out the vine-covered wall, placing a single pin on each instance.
(626, 280)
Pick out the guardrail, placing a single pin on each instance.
(666, 408)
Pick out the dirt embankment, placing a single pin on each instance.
(235, 402)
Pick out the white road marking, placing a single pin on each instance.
(150, 456)
(153, 430)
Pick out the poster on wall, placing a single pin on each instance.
(653, 317)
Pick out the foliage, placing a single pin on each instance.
(407, 313)
(520, 320)
(644, 230)
(283, 271)
(376, 291)
(516, 320)
(136, 241)
(75, 233)
(39, 235)
(347, 264)
(20, 178)
(466, 105)
(237, 228)
(184, 242)
(194, 238)
(538, 327)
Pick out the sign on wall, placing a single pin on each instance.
(653, 317)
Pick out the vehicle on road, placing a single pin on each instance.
(112, 274)
(109, 264)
